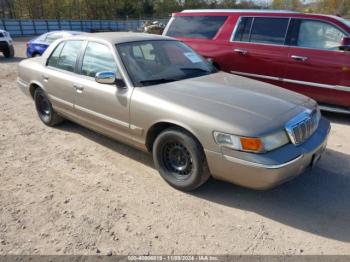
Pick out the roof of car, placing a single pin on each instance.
(123, 37)
(65, 32)
(237, 11)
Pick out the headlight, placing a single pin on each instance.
(275, 140)
(252, 144)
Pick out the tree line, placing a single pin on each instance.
(109, 9)
(333, 7)
(125, 9)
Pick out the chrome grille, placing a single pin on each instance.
(302, 126)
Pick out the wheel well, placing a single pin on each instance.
(32, 89)
(158, 128)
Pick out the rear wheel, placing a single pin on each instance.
(180, 159)
(9, 52)
(44, 109)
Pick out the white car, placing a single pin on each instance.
(6, 44)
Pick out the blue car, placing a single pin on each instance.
(37, 46)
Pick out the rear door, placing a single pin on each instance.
(316, 67)
(258, 48)
(60, 74)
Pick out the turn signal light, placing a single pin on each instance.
(251, 144)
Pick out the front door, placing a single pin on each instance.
(103, 107)
(316, 67)
(258, 48)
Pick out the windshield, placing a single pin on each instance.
(160, 61)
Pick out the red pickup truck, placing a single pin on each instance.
(306, 53)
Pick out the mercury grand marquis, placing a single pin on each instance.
(155, 93)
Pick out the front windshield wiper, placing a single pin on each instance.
(157, 81)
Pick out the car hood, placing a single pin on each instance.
(232, 98)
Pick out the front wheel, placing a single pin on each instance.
(180, 159)
(44, 109)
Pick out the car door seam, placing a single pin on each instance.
(286, 80)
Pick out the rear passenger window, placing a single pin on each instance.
(53, 60)
(196, 26)
(262, 30)
(243, 29)
(67, 55)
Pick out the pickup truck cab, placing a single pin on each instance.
(306, 53)
(6, 44)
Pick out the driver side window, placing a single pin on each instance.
(319, 35)
(97, 58)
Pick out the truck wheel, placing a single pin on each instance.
(180, 159)
(44, 109)
(9, 52)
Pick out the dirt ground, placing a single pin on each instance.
(68, 190)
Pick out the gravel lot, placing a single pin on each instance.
(68, 190)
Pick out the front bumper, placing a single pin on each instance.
(264, 171)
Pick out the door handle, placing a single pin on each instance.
(240, 51)
(78, 88)
(45, 77)
(299, 58)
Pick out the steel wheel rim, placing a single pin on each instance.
(177, 160)
(43, 106)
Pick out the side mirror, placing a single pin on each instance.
(109, 77)
(345, 44)
(120, 83)
(105, 77)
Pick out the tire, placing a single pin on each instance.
(35, 55)
(9, 52)
(44, 109)
(180, 159)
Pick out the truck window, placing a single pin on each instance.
(318, 35)
(196, 26)
(268, 30)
